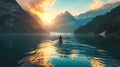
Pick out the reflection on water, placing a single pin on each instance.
(74, 54)
(43, 54)
(96, 62)
(13, 47)
(71, 54)
(48, 53)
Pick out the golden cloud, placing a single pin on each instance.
(40, 8)
(41, 5)
(37, 5)
(97, 4)
(112, 1)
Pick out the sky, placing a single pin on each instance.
(48, 9)
(77, 7)
(73, 6)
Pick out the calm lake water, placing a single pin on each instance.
(34, 50)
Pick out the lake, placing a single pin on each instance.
(36, 50)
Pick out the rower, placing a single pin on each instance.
(60, 39)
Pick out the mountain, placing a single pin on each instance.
(109, 24)
(90, 15)
(13, 19)
(106, 8)
(63, 22)
(64, 16)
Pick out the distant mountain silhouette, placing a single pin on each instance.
(108, 23)
(63, 22)
(13, 19)
(106, 8)
(63, 17)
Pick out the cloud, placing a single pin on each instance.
(97, 4)
(112, 1)
(40, 8)
(37, 5)
(41, 5)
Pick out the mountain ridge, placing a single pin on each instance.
(108, 23)
(106, 8)
(13, 19)
(63, 21)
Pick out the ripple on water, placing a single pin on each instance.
(70, 54)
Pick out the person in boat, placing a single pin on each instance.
(60, 39)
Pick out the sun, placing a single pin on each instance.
(46, 17)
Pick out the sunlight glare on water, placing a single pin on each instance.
(96, 62)
(74, 54)
(42, 55)
(71, 54)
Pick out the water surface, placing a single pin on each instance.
(72, 53)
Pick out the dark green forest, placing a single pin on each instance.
(108, 23)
